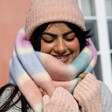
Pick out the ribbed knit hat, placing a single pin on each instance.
(43, 11)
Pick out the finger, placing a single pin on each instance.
(41, 90)
(82, 75)
(44, 93)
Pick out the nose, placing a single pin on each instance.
(60, 47)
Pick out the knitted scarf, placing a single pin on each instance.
(30, 70)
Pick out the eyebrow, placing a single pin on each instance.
(51, 34)
(67, 33)
(54, 35)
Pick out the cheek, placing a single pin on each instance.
(45, 48)
(75, 46)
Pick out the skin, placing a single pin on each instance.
(61, 42)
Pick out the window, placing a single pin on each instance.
(110, 32)
(88, 8)
(91, 24)
(109, 22)
(108, 7)
(98, 18)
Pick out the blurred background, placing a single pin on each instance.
(98, 18)
(12, 18)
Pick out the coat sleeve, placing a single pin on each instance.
(106, 98)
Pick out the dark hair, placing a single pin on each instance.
(80, 34)
(35, 40)
(14, 96)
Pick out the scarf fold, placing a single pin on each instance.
(30, 70)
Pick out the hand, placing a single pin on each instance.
(42, 91)
(88, 94)
(82, 76)
(61, 101)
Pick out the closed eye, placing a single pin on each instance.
(70, 39)
(48, 41)
(69, 36)
(48, 37)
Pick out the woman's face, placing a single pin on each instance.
(61, 42)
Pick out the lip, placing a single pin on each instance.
(63, 58)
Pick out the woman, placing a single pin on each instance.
(52, 62)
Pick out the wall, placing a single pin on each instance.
(12, 18)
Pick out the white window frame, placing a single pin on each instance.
(103, 37)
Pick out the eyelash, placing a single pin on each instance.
(71, 39)
(50, 41)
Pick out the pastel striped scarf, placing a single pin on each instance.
(30, 70)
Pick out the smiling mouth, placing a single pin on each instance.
(63, 58)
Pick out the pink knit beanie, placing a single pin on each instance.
(43, 11)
